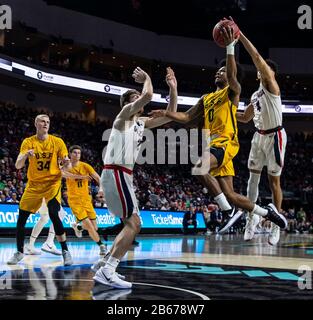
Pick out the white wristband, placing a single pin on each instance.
(230, 49)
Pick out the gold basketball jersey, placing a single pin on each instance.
(220, 115)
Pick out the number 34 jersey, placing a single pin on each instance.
(44, 165)
(78, 188)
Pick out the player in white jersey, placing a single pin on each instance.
(117, 180)
(269, 141)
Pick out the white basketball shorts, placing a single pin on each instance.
(117, 183)
(268, 150)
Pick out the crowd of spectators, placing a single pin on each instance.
(158, 187)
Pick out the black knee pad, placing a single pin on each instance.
(54, 208)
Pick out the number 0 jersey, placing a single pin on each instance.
(220, 115)
(44, 166)
(78, 188)
(220, 119)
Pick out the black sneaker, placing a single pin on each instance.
(229, 219)
(274, 216)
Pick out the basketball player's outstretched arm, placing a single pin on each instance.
(96, 177)
(231, 66)
(132, 108)
(247, 115)
(267, 74)
(182, 117)
(69, 175)
(172, 104)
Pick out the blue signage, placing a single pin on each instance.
(149, 219)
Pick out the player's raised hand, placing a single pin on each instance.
(157, 113)
(170, 78)
(30, 153)
(139, 75)
(228, 35)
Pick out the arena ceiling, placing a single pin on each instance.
(268, 23)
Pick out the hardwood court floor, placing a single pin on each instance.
(167, 267)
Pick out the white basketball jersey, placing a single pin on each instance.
(123, 147)
(267, 109)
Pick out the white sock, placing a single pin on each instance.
(259, 211)
(222, 202)
(32, 241)
(112, 263)
(38, 228)
(253, 186)
(51, 236)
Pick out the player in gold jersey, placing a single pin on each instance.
(79, 198)
(43, 152)
(219, 111)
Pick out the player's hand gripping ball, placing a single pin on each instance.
(218, 37)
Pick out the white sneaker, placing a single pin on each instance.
(17, 257)
(67, 258)
(109, 278)
(103, 250)
(101, 263)
(31, 250)
(274, 235)
(51, 249)
(252, 222)
(78, 233)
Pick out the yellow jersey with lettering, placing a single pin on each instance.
(44, 166)
(220, 116)
(79, 188)
(220, 119)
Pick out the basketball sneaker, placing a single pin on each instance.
(274, 216)
(252, 222)
(31, 250)
(68, 261)
(101, 263)
(229, 219)
(78, 232)
(111, 279)
(274, 235)
(103, 249)
(51, 249)
(17, 257)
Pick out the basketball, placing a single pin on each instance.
(218, 38)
